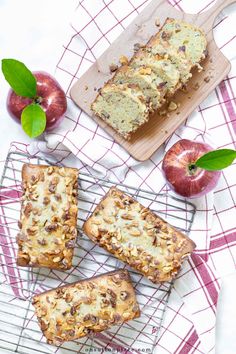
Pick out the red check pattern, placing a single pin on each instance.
(186, 329)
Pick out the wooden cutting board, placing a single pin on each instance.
(151, 135)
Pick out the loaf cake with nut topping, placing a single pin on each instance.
(91, 305)
(167, 59)
(137, 236)
(48, 222)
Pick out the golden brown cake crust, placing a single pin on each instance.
(48, 216)
(90, 305)
(137, 236)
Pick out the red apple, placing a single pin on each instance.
(181, 173)
(50, 96)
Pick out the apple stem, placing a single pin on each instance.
(192, 168)
(38, 100)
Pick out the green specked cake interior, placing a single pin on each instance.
(184, 36)
(177, 58)
(163, 69)
(146, 80)
(122, 108)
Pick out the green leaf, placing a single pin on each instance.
(216, 160)
(33, 120)
(19, 77)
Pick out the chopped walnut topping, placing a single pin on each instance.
(52, 187)
(50, 170)
(90, 318)
(68, 297)
(70, 332)
(86, 300)
(124, 60)
(157, 22)
(70, 244)
(135, 232)
(27, 210)
(112, 293)
(127, 216)
(44, 325)
(124, 275)
(73, 310)
(162, 85)
(51, 227)
(42, 242)
(172, 106)
(182, 48)
(36, 211)
(105, 303)
(135, 308)
(145, 71)
(33, 179)
(58, 197)
(32, 230)
(46, 200)
(165, 35)
(124, 295)
(207, 79)
(113, 68)
(66, 215)
(21, 237)
(137, 46)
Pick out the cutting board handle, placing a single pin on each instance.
(209, 16)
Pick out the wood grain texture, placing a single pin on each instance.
(154, 133)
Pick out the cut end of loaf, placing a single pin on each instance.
(121, 107)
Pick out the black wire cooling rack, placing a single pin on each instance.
(19, 330)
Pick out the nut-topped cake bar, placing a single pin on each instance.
(48, 216)
(137, 236)
(90, 305)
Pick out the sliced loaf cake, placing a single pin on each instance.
(164, 70)
(153, 75)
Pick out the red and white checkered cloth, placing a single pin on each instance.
(189, 323)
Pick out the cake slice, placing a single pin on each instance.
(182, 37)
(163, 69)
(90, 305)
(123, 107)
(146, 80)
(137, 236)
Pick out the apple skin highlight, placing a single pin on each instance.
(50, 96)
(182, 176)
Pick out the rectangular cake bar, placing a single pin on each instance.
(48, 216)
(90, 305)
(137, 236)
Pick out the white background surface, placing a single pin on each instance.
(33, 32)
